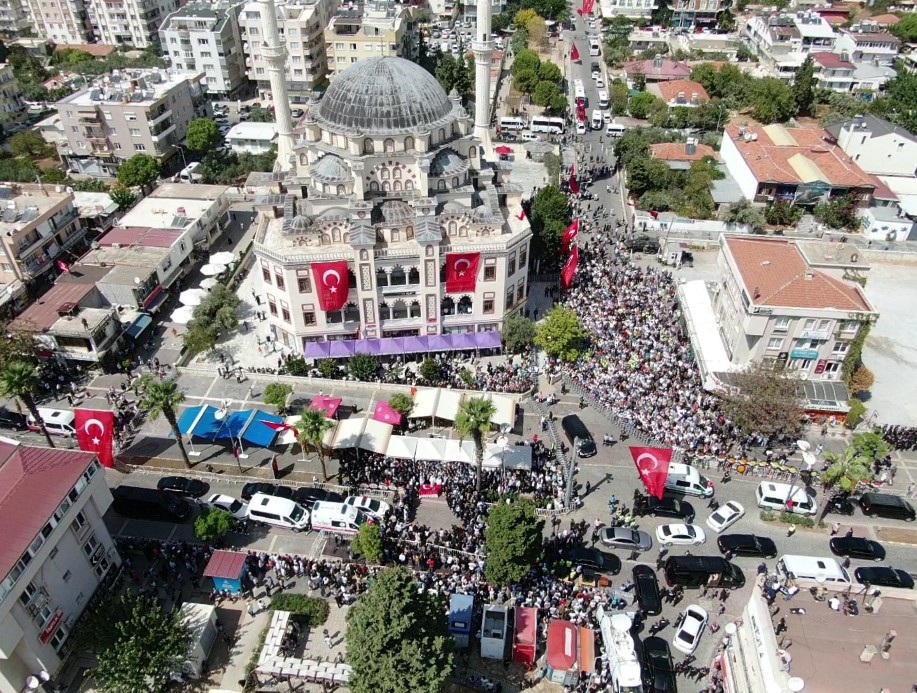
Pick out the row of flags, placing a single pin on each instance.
(588, 6)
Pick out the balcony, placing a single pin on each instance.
(89, 117)
(164, 134)
(161, 117)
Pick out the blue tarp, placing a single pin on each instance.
(257, 433)
(140, 324)
(201, 422)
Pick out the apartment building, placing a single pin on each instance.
(38, 224)
(205, 36)
(128, 22)
(877, 145)
(301, 24)
(12, 107)
(56, 555)
(381, 29)
(633, 9)
(60, 21)
(469, 9)
(692, 13)
(130, 112)
(783, 42)
(868, 42)
(14, 18)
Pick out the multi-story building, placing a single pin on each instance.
(301, 24)
(868, 42)
(130, 112)
(691, 13)
(444, 11)
(60, 21)
(12, 107)
(129, 22)
(14, 18)
(382, 29)
(37, 226)
(833, 71)
(469, 9)
(634, 9)
(783, 42)
(205, 36)
(409, 200)
(706, 45)
(877, 146)
(59, 555)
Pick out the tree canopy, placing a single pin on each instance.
(216, 313)
(804, 87)
(513, 540)
(203, 135)
(140, 171)
(518, 334)
(549, 216)
(560, 334)
(212, 523)
(363, 367)
(767, 402)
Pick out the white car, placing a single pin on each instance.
(606, 117)
(725, 516)
(238, 509)
(581, 128)
(600, 83)
(596, 74)
(691, 629)
(370, 506)
(668, 535)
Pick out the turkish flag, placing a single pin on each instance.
(461, 272)
(653, 467)
(331, 282)
(521, 215)
(569, 235)
(654, 214)
(278, 426)
(574, 186)
(566, 274)
(579, 11)
(386, 414)
(62, 266)
(574, 54)
(581, 112)
(95, 430)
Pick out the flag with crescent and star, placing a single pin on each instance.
(569, 236)
(574, 54)
(574, 185)
(566, 274)
(461, 272)
(331, 283)
(653, 468)
(95, 430)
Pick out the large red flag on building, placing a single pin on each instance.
(331, 283)
(653, 467)
(566, 274)
(569, 236)
(521, 215)
(574, 186)
(461, 272)
(95, 430)
(574, 54)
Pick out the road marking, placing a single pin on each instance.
(172, 533)
(273, 542)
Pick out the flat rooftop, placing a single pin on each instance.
(74, 327)
(133, 256)
(139, 87)
(252, 131)
(21, 204)
(166, 213)
(188, 191)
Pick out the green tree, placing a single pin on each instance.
(276, 395)
(782, 213)
(402, 403)
(162, 397)
(906, 28)
(122, 196)
(839, 213)
(618, 96)
(525, 60)
(368, 542)
(804, 87)
(513, 541)
(846, 470)
(398, 638)
(18, 379)
(772, 101)
(474, 420)
(329, 368)
(549, 72)
(549, 215)
(212, 523)
(216, 313)
(261, 115)
(200, 337)
(310, 429)
(150, 644)
(89, 185)
(560, 334)
(429, 370)
(203, 135)
(767, 403)
(545, 92)
(744, 212)
(648, 174)
(363, 367)
(525, 81)
(523, 17)
(140, 171)
(30, 143)
(870, 445)
(518, 334)
(640, 104)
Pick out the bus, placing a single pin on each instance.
(514, 124)
(594, 46)
(579, 92)
(553, 126)
(603, 99)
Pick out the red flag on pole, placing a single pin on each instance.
(653, 466)
(278, 426)
(569, 236)
(566, 275)
(62, 266)
(461, 271)
(579, 11)
(574, 54)
(574, 186)
(654, 214)
(331, 284)
(521, 215)
(94, 433)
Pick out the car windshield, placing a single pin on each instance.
(235, 506)
(297, 514)
(685, 636)
(719, 516)
(689, 530)
(373, 505)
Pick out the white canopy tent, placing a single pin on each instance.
(402, 446)
(460, 451)
(424, 403)
(288, 437)
(433, 449)
(514, 457)
(505, 413)
(448, 405)
(348, 433)
(376, 436)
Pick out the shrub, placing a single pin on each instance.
(768, 516)
(799, 520)
(314, 609)
(856, 413)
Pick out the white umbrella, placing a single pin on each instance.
(804, 445)
(809, 460)
(223, 258)
(211, 270)
(191, 297)
(183, 315)
(208, 283)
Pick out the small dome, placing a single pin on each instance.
(397, 212)
(447, 163)
(483, 214)
(300, 223)
(454, 208)
(331, 169)
(380, 96)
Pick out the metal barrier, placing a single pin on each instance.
(447, 550)
(559, 455)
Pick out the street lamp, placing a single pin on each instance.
(182, 152)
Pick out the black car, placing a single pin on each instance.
(183, 486)
(841, 505)
(12, 420)
(307, 495)
(643, 244)
(857, 547)
(881, 576)
(253, 487)
(746, 545)
(595, 561)
(664, 507)
(658, 670)
(646, 589)
(887, 505)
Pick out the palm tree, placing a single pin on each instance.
(311, 428)
(474, 420)
(163, 397)
(846, 470)
(18, 379)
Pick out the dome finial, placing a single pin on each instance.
(454, 95)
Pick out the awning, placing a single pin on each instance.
(156, 297)
(459, 451)
(505, 407)
(255, 433)
(432, 449)
(402, 446)
(403, 345)
(200, 422)
(288, 437)
(142, 322)
(375, 436)
(424, 403)
(329, 405)
(348, 433)
(448, 405)
(561, 645)
(384, 413)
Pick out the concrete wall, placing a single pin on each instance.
(738, 169)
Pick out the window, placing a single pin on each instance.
(281, 284)
(205, 54)
(781, 324)
(824, 325)
(272, 305)
(28, 593)
(135, 132)
(509, 298)
(523, 256)
(66, 576)
(520, 292)
(90, 546)
(490, 274)
(266, 273)
(139, 147)
(511, 266)
(841, 347)
(78, 522)
(305, 285)
(57, 640)
(285, 312)
(488, 305)
(308, 317)
(203, 41)
(809, 324)
(130, 117)
(775, 343)
(849, 326)
(338, 46)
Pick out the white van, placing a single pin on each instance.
(614, 129)
(337, 517)
(280, 512)
(597, 120)
(515, 124)
(824, 571)
(686, 480)
(58, 422)
(189, 173)
(774, 496)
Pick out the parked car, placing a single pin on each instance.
(183, 486)
(886, 505)
(841, 505)
(236, 508)
(12, 420)
(624, 538)
(658, 671)
(684, 535)
(688, 635)
(253, 487)
(371, 506)
(883, 576)
(664, 507)
(646, 589)
(643, 244)
(746, 545)
(857, 547)
(297, 113)
(594, 561)
(307, 495)
(725, 516)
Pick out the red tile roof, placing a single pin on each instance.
(669, 70)
(669, 90)
(43, 313)
(675, 151)
(33, 482)
(831, 60)
(775, 273)
(225, 564)
(885, 19)
(140, 235)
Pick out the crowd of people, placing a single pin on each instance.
(900, 437)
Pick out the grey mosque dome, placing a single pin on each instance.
(384, 96)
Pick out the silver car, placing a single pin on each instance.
(624, 538)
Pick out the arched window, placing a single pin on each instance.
(364, 255)
(346, 238)
(336, 234)
(415, 309)
(408, 185)
(455, 182)
(442, 135)
(386, 186)
(396, 236)
(464, 305)
(351, 313)
(389, 145)
(447, 306)
(399, 278)
(381, 277)
(414, 276)
(409, 233)
(452, 228)
(383, 174)
(326, 239)
(368, 147)
(409, 143)
(472, 152)
(342, 190)
(399, 311)
(396, 173)
(373, 186)
(385, 312)
(397, 186)
(440, 185)
(463, 232)
(351, 279)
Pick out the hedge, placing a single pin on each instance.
(314, 609)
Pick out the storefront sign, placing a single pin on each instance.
(783, 356)
(815, 334)
(51, 626)
(804, 354)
